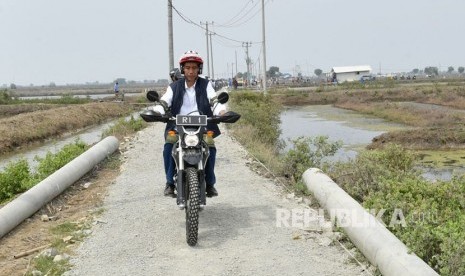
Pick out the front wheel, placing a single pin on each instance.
(192, 206)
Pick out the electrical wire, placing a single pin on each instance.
(226, 43)
(235, 22)
(232, 18)
(188, 20)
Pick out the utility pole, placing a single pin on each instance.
(211, 55)
(264, 47)
(235, 52)
(170, 35)
(208, 48)
(247, 45)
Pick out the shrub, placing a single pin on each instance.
(125, 127)
(308, 152)
(362, 176)
(55, 161)
(260, 112)
(13, 178)
(433, 212)
(5, 98)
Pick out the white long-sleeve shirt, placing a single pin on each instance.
(189, 101)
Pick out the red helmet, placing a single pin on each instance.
(191, 56)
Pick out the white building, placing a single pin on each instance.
(349, 73)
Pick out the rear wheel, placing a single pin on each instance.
(192, 206)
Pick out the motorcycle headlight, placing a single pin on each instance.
(191, 140)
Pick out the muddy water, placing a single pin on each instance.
(356, 131)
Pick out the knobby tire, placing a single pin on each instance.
(192, 206)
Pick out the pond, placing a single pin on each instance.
(355, 131)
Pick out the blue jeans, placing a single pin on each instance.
(170, 166)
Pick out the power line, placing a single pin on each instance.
(188, 20)
(232, 18)
(219, 36)
(236, 24)
(226, 43)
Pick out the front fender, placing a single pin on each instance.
(192, 156)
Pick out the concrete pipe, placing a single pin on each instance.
(370, 236)
(31, 201)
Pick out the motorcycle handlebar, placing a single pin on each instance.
(153, 116)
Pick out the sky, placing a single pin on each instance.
(72, 42)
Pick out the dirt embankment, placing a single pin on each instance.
(26, 128)
(11, 110)
(435, 112)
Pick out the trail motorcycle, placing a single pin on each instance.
(190, 153)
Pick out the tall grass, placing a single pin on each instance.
(258, 129)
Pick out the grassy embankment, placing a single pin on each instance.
(23, 123)
(432, 222)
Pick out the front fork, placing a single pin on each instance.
(181, 184)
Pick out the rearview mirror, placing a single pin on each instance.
(153, 96)
(223, 97)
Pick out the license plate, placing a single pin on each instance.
(191, 120)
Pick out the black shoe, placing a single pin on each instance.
(211, 191)
(169, 190)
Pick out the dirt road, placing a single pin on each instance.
(143, 233)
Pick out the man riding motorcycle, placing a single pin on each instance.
(189, 95)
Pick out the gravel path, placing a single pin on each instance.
(143, 233)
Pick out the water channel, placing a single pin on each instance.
(89, 136)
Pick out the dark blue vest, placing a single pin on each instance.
(203, 104)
